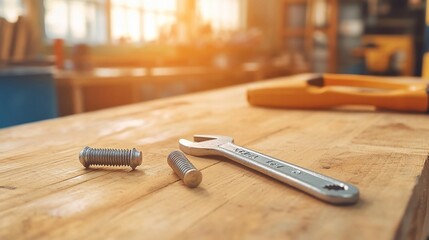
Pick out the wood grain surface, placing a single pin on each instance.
(45, 193)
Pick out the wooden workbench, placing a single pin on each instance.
(46, 193)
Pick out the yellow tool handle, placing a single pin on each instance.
(398, 97)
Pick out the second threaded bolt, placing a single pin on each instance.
(190, 176)
(110, 157)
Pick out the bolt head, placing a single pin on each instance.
(82, 157)
(136, 159)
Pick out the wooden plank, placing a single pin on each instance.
(46, 193)
(7, 43)
(21, 40)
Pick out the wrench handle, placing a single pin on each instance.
(325, 188)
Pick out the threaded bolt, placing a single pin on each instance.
(190, 176)
(110, 157)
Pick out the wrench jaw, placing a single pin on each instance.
(204, 138)
(204, 145)
(195, 149)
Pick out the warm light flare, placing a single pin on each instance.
(136, 21)
(10, 9)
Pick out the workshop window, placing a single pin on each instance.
(76, 20)
(223, 15)
(11, 9)
(141, 21)
(86, 20)
(131, 21)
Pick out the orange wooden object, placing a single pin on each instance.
(332, 90)
(59, 53)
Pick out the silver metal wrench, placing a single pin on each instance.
(315, 184)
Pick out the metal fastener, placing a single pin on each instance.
(190, 176)
(110, 157)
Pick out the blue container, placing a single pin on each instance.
(27, 94)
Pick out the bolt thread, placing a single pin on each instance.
(180, 163)
(107, 157)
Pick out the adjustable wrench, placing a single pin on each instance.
(315, 184)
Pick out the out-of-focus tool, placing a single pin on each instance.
(333, 90)
(315, 184)
(190, 176)
(110, 157)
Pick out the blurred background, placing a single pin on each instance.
(62, 57)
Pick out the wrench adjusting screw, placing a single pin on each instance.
(110, 157)
(190, 176)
